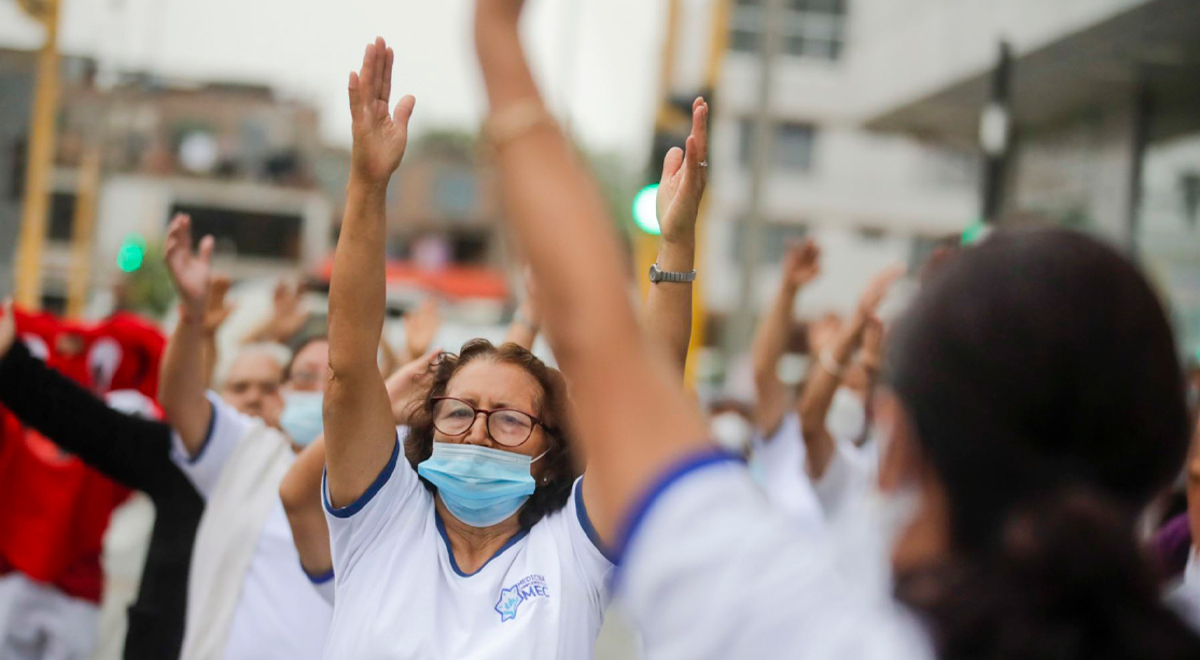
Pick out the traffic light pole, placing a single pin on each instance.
(39, 159)
(741, 328)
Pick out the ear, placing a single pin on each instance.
(900, 458)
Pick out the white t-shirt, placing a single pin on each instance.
(850, 476)
(777, 463)
(712, 571)
(279, 613)
(400, 593)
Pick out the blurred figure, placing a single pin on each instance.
(125, 442)
(248, 597)
(251, 385)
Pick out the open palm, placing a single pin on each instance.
(189, 272)
(380, 137)
(684, 179)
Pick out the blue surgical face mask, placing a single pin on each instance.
(301, 418)
(480, 486)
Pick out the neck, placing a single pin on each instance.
(474, 546)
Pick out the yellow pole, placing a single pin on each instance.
(718, 43)
(83, 226)
(39, 159)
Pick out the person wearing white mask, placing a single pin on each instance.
(777, 453)
(840, 459)
(468, 534)
(248, 598)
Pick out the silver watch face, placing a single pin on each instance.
(655, 273)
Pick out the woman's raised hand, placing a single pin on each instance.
(684, 177)
(380, 135)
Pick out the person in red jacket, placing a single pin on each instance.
(50, 543)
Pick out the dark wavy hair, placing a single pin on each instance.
(1042, 379)
(552, 408)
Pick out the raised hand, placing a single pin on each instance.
(290, 314)
(685, 175)
(380, 136)
(877, 289)
(216, 309)
(190, 273)
(420, 327)
(8, 328)
(801, 263)
(498, 10)
(406, 386)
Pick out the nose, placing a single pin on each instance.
(478, 433)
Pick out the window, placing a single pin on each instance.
(791, 145)
(809, 28)
(247, 233)
(61, 222)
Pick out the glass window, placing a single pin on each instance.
(247, 233)
(810, 28)
(61, 223)
(791, 148)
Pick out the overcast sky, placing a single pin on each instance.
(597, 59)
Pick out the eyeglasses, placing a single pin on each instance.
(508, 427)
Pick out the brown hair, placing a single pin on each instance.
(552, 405)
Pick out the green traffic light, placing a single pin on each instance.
(645, 210)
(132, 253)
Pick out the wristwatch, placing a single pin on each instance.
(659, 275)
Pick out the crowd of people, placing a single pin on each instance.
(1002, 470)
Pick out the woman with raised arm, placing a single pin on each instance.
(466, 533)
(1011, 480)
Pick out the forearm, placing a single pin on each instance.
(210, 358)
(823, 382)
(182, 382)
(357, 289)
(667, 315)
(770, 342)
(542, 179)
(524, 328)
(300, 493)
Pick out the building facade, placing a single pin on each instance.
(1105, 112)
(869, 199)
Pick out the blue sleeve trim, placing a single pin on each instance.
(357, 505)
(586, 523)
(318, 579)
(690, 464)
(212, 424)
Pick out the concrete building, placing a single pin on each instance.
(1105, 106)
(243, 163)
(870, 200)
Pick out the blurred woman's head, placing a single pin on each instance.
(1036, 403)
(528, 406)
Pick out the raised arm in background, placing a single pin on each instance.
(826, 375)
(359, 431)
(421, 326)
(300, 490)
(527, 320)
(216, 310)
(183, 379)
(633, 420)
(288, 316)
(667, 313)
(801, 265)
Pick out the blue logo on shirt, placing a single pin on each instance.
(533, 586)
